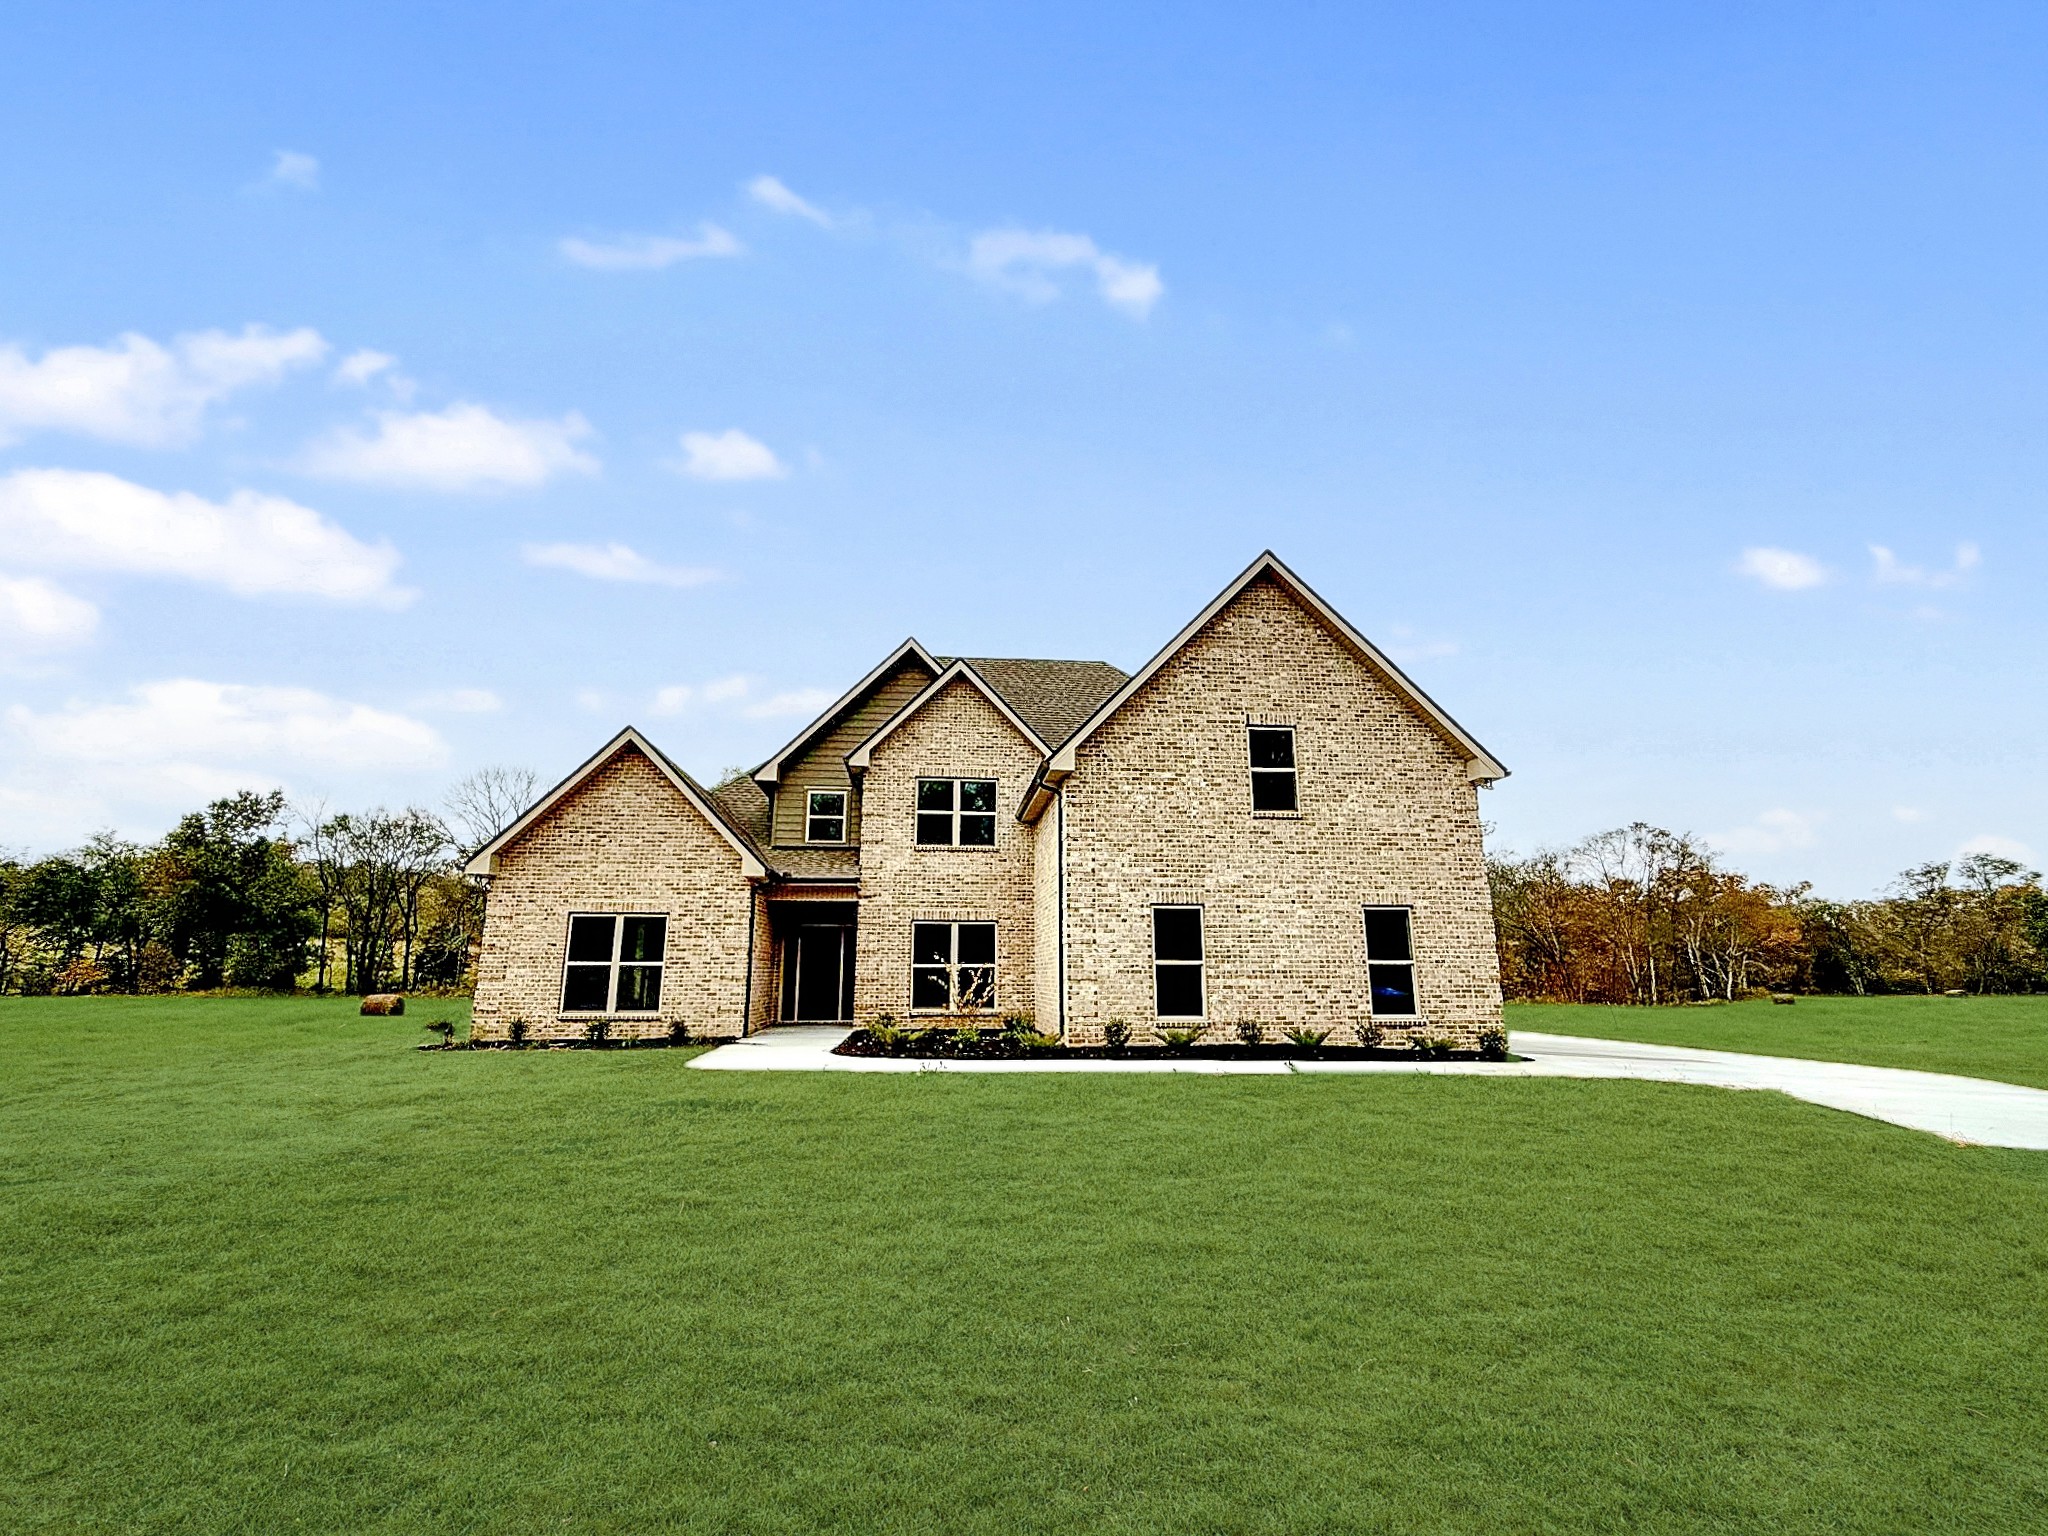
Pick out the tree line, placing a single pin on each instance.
(1642, 915)
(256, 892)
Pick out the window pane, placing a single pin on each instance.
(826, 829)
(1273, 791)
(935, 794)
(587, 989)
(828, 802)
(1272, 749)
(643, 938)
(931, 943)
(1179, 991)
(977, 794)
(1393, 988)
(1176, 933)
(977, 831)
(639, 988)
(590, 937)
(977, 944)
(1386, 934)
(977, 986)
(935, 827)
(928, 989)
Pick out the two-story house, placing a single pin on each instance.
(1267, 822)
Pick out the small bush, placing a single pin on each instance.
(598, 1032)
(1178, 1040)
(1116, 1034)
(1251, 1033)
(1307, 1039)
(445, 1028)
(1370, 1035)
(1018, 1026)
(679, 1033)
(884, 1031)
(1493, 1045)
(1032, 1040)
(967, 1037)
(517, 1031)
(1430, 1047)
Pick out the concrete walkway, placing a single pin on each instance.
(1970, 1110)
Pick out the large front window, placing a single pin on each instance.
(1177, 962)
(952, 967)
(956, 812)
(1390, 961)
(614, 963)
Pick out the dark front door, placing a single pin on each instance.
(822, 960)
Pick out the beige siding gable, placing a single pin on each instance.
(821, 764)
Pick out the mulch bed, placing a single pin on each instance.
(991, 1046)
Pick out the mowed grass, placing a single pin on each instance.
(1998, 1037)
(263, 1268)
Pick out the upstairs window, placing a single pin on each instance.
(1390, 961)
(825, 816)
(956, 812)
(952, 967)
(1177, 962)
(1273, 768)
(614, 963)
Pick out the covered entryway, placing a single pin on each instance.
(814, 940)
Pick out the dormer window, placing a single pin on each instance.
(1273, 786)
(825, 816)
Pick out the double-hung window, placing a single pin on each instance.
(614, 963)
(1177, 962)
(952, 967)
(825, 816)
(1390, 961)
(1273, 786)
(956, 812)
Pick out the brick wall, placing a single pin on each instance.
(1159, 810)
(622, 841)
(958, 734)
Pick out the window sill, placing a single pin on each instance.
(1276, 815)
(956, 847)
(653, 1013)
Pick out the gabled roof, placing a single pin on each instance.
(770, 772)
(1481, 766)
(1054, 696)
(960, 671)
(485, 860)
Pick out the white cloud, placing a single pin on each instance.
(1021, 259)
(650, 253)
(769, 192)
(795, 702)
(250, 544)
(729, 455)
(1775, 831)
(678, 697)
(615, 562)
(1908, 813)
(138, 391)
(1784, 569)
(361, 366)
(38, 616)
(196, 733)
(1999, 847)
(463, 448)
(289, 168)
(461, 701)
(1889, 571)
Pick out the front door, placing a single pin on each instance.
(820, 956)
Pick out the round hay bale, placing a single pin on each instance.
(382, 1004)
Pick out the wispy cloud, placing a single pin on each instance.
(463, 448)
(729, 455)
(250, 544)
(615, 562)
(770, 192)
(1888, 570)
(736, 693)
(36, 615)
(650, 253)
(1024, 261)
(1997, 846)
(290, 168)
(679, 698)
(140, 392)
(1785, 570)
(793, 703)
(1775, 831)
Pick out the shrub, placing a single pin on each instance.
(1116, 1034)
(598, 1032)
(1370, 1035)
(445, 1028)
(1032, 1040)
(679, 1033)
(1430, 1047)
(1307, 1039)
(1493, 1045)
(1019, 1026)
(884, 1031)
(1251, 1033)
(967, 1037)
(517, 1031)
(1178, 1040)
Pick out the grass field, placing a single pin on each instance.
(266, 1269)
(2001, 1037)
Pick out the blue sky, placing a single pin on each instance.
(390, 391)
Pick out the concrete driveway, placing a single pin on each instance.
(1970, 1110)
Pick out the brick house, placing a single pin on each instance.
(1268, 822)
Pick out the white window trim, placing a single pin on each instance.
(611, 991)
(811, 815)
(1200, 967)
(952, 965)
(1414, 982)
(994, 815)
(1253, 772)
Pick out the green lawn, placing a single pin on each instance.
(2001, 1037)
(263, 1268)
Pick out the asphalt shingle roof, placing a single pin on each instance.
(1055, 698)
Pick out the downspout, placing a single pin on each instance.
(1060, 854)
(747, 997)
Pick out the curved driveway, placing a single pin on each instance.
(1973, 1110)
